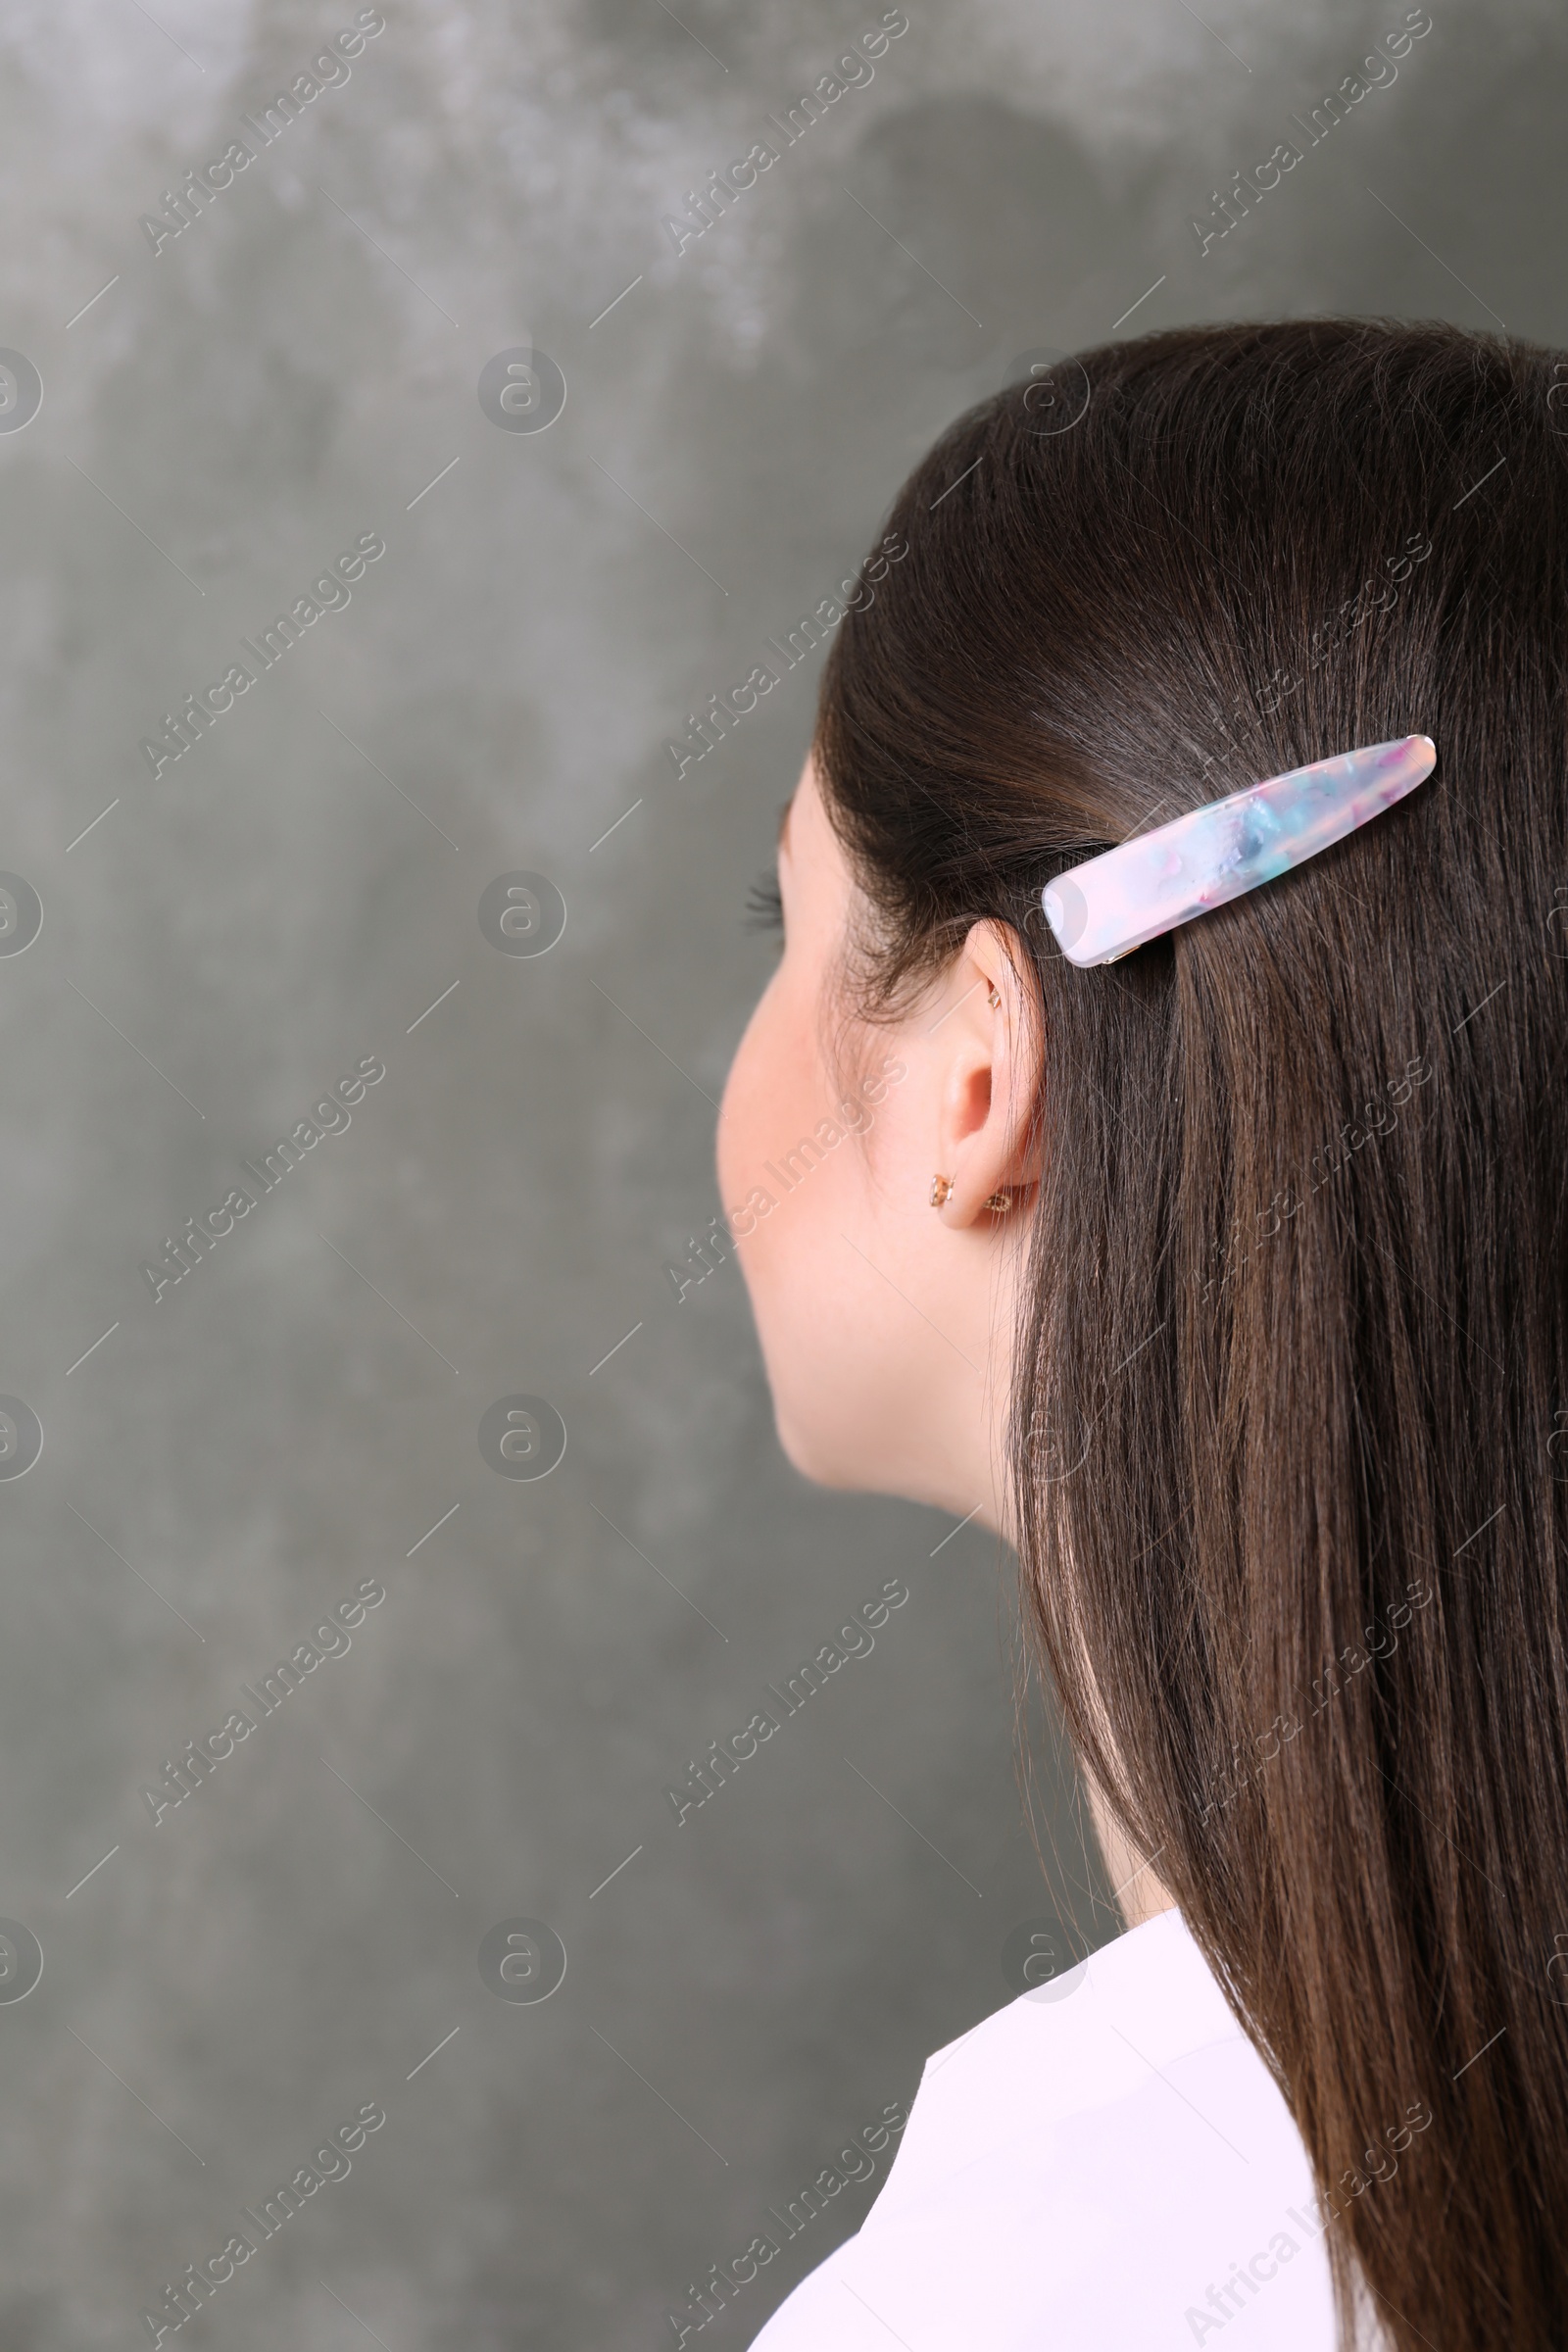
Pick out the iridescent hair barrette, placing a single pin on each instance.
(1114, 903)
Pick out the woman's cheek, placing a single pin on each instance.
(770, 1095)
(737, 1160)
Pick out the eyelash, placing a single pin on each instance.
(765, 905)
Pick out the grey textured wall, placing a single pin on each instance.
(221, 418)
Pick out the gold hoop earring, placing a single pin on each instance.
(940, 1190)
(1000, 1201)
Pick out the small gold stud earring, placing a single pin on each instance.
(940, 1190)
(995, 1001)
(1000, 1201)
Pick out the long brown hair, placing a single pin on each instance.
(1289, 1441)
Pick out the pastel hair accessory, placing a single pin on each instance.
(1127, 896)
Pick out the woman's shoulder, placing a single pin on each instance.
(1105, 2160)
(1071, 2042)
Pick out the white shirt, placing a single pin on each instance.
(1081, 2172)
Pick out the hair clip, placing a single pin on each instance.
(1111, 903)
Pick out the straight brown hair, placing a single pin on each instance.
(1290, 1439)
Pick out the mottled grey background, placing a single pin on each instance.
(226, 416)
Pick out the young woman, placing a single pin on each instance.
(1229, 1281)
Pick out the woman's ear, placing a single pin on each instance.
(991, 1072)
